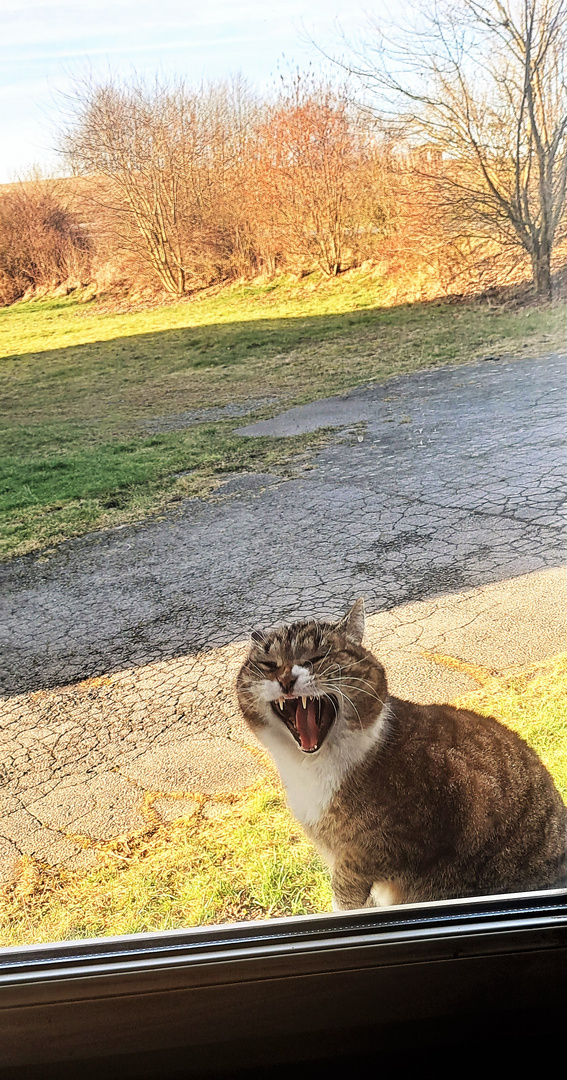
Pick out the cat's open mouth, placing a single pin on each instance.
(308, 718)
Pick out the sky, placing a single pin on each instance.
(45, 45)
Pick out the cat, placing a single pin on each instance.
(405, 803)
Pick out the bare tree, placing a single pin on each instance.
(168, 155)
(484, 83)
(197, 185)
(321, 172)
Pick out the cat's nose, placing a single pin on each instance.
(286, 681)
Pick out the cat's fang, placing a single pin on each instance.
(304, 702)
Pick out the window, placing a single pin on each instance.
(263, 360)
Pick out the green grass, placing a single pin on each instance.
(250, 859)
(86, 390)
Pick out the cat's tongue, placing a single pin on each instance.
(306, 724)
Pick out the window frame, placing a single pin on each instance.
(258, 992)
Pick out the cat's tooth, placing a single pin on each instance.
(281, 703)
(304, 702)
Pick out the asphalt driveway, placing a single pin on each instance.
(460, 478)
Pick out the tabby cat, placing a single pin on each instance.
(404, 802)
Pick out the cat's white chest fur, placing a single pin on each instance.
(311, 780)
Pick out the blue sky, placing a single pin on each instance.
(45, 44)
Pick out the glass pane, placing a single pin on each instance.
(273, 368)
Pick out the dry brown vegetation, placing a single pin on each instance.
(42, 241)
(199, 186)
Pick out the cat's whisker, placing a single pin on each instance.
(324, 674)
(359, 690)
(256, 670)
(355, 663)
(356, 689)
(339, 693)
(358, 679)
(353, 681)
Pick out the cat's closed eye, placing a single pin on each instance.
(315, 659)
(270, 665)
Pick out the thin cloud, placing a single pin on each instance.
(47, 42)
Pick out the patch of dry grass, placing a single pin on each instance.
(241, 857)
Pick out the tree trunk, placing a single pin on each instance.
(541, 269)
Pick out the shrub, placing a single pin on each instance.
(42, 242)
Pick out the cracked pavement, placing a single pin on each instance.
(441, 499)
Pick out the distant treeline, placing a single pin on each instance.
(175, 188)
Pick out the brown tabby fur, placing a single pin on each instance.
(405, 802)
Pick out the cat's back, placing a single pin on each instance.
(452, 788)
(457, 740)
(461, 752)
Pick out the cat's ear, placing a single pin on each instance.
(352, 624)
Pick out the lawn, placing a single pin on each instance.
(242, 856)
(109, 416)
